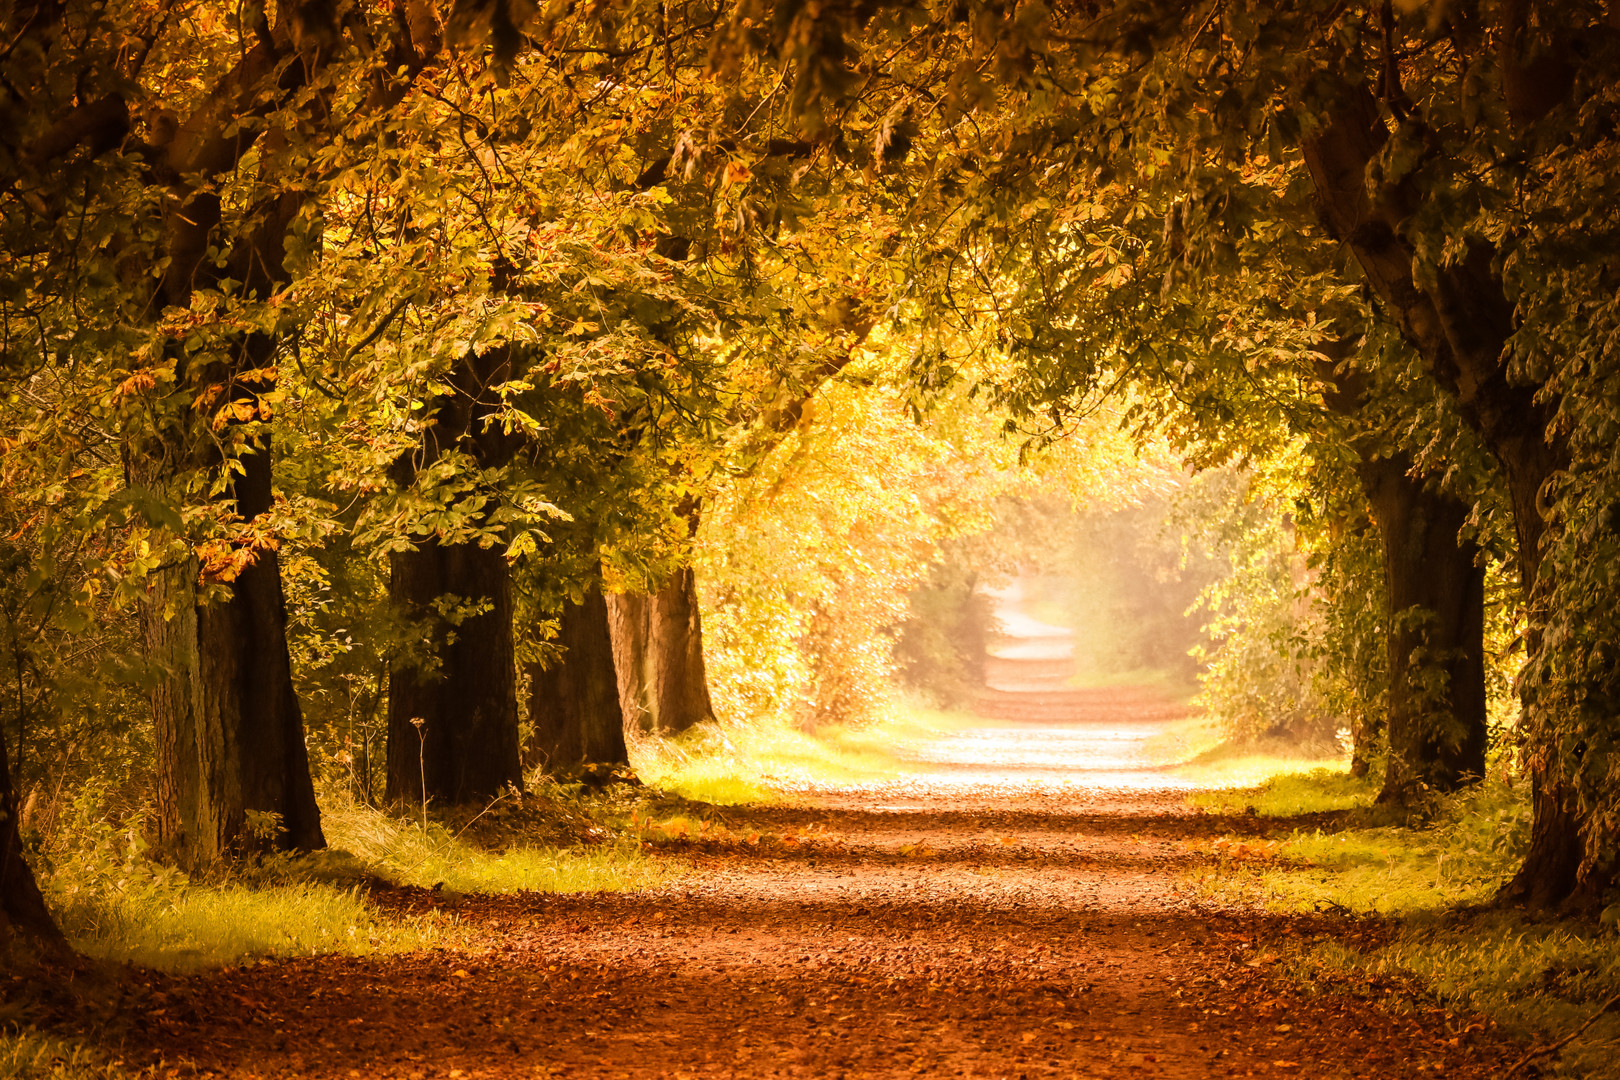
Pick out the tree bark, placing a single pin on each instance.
(467, 746)
(1436, 596)
(574, 703)
(23, 914)
(628, 625)
(227, 724)
(658, 648)
(226, 720)
(681, 688)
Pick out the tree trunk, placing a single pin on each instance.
(466, 747)
(1436, 596)
(226, 721)
(1364, 747)
(23, 914)
(628, 625)
(574, 704)
(681, 687)
(658, 646)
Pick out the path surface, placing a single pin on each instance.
(1012, 908)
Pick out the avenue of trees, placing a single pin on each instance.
(375, 367)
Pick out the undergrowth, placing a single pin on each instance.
(1426, 878)
(115, 903)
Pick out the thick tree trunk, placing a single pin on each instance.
(23, 914)
(1436, 595)
(658, 646)
(681, 687)
(574, 703)
(1551, 873)
(466, 746)
(226, 721)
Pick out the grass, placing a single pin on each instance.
(402, 853)
(1456, 854)
(29, 1055)
(116, 904)
(1238, 774)
(189, 927)
(1293, 787)
(766, 760)
(1425, 881)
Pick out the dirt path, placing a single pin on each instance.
(1011, 909)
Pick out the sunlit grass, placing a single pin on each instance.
(1458, 856)
(1291, 787)
(114, 903)
(1242, 775)
(185, 927)
(766, 760)
(400, 852)
(29, 1055)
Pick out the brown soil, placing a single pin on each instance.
(999, 912)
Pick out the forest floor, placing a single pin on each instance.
(1015, 905)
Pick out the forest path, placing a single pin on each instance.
(1011, 907)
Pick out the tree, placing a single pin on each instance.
(452, 713)
(23, 914)
(574, 704)
(1435, 591)
(193, 212)
(1454, 306)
